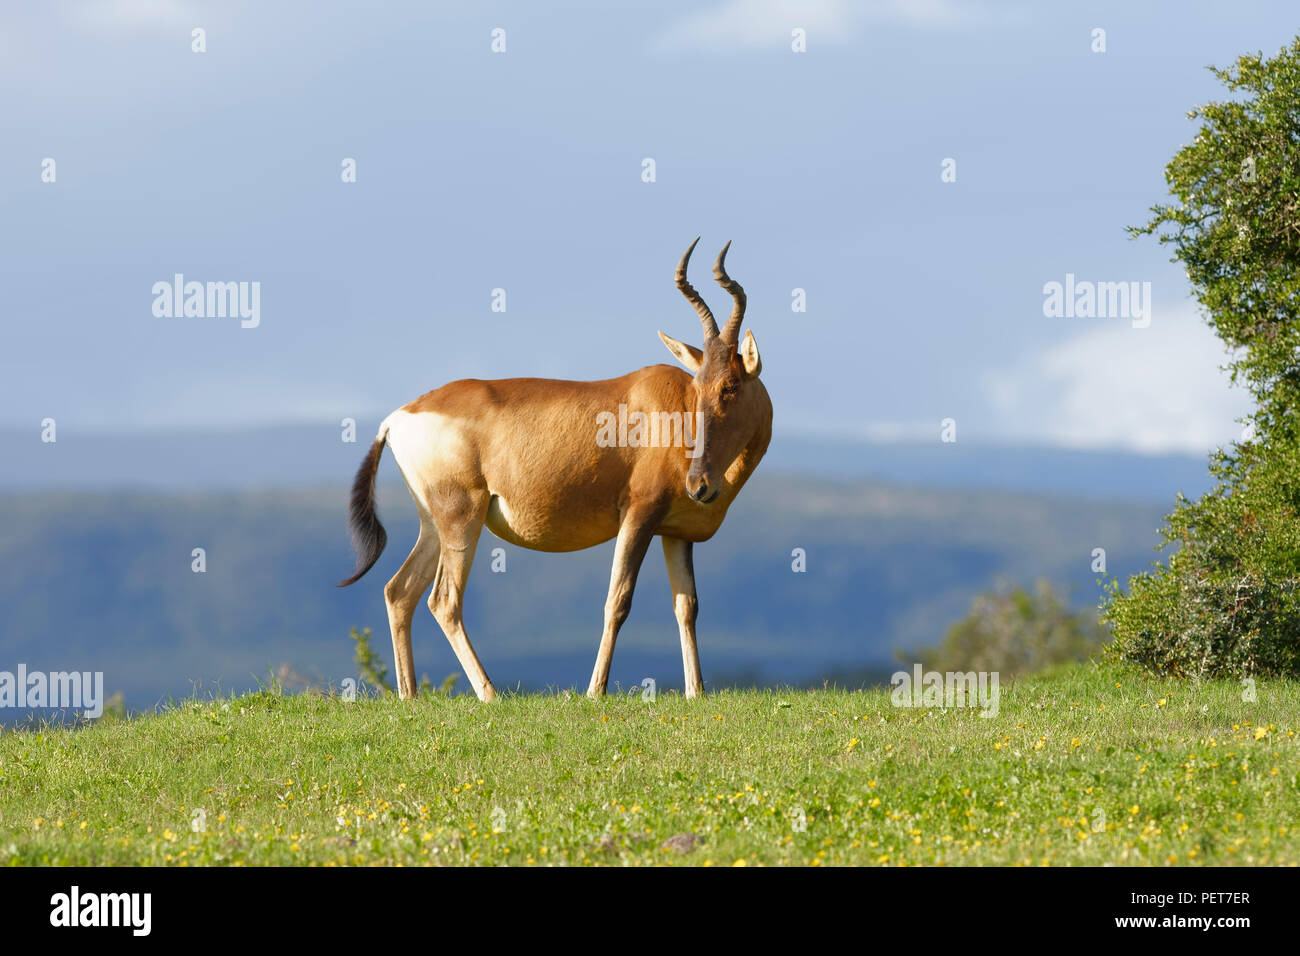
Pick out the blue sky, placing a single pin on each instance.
(522, 171)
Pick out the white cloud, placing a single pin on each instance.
(1153, 390)
(738, 26)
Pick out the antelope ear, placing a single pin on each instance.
(749, 357)
(688, 355)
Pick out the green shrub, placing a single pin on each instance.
(1015, 631)
(1224, 604)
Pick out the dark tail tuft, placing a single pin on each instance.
(368, 535)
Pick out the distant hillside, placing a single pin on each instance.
(96, 581)
(304, 455)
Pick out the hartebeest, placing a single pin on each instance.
(522, 456)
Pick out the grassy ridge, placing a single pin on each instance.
(1087, 765)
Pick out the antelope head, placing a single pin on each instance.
(727, 408)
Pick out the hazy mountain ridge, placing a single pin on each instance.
(302, 455)
(103, 581)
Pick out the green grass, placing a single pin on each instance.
(1087, 765)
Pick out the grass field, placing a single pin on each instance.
(1087, 765)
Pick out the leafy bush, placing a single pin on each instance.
(1015, 631)
(1225, 602)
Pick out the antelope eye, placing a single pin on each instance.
(729, 390)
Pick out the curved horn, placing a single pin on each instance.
(688, 290)
(730, 331)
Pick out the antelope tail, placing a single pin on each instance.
(368, 535)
